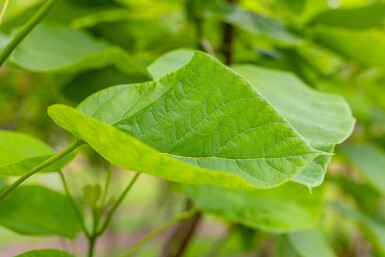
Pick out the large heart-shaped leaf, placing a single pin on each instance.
(298, 209)
(36, 210)
(323, 120)
(192, 118)
(20, 153)
(52, 48)
(45, 253)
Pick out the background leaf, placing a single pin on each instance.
(36, 210)
(45, 253)
(290, 207)
(20, 153)
(310, 244)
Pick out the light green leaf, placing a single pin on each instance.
(52, 48)
(20, 153)
(356, 18)
(298, 208)
(362, 46)
(36, 210)
(370, 162)
(310, 244)
(192, 118)
(323, 120)
(45, 253)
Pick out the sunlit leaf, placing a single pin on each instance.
(36, 210)
(20, 153)
(298, 208)
(192, 118)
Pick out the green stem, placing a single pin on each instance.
(74, 205)
(117, 204)
(26, 29)
(91, 247)
(41, 166)
(3, 10)
(180, 217)
(107, 184)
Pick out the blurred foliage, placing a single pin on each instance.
(335, 46)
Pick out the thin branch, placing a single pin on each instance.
(26, 29)
(41, 166)
(3, 11)
(180, 217)
(117, 204)
(74, 205)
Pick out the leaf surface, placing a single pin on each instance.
(191, 117)
(20, 153)
(298, 208)
(36, 210)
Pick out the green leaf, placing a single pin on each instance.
(310, 244)
(36, 210)
(370, 162)
(52, 48)
(45, 253)
(323, 120)
(92, 194)
(191, 117)
(298, 208)
(362, 46)
(356, 18)
(20, 153)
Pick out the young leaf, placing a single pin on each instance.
(298, 208)
(92, 194)
(370, 162)
(192, 118)
(45, 253)
(50, 48)
(310, 244)
(20, 153)
(36, 210)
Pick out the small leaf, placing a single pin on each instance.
(20, 153)
(36, 210)
(310, 244)
(92, 195)
(191, 117)
(45, 253)
(298, 208)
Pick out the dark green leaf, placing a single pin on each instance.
(36, 210)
